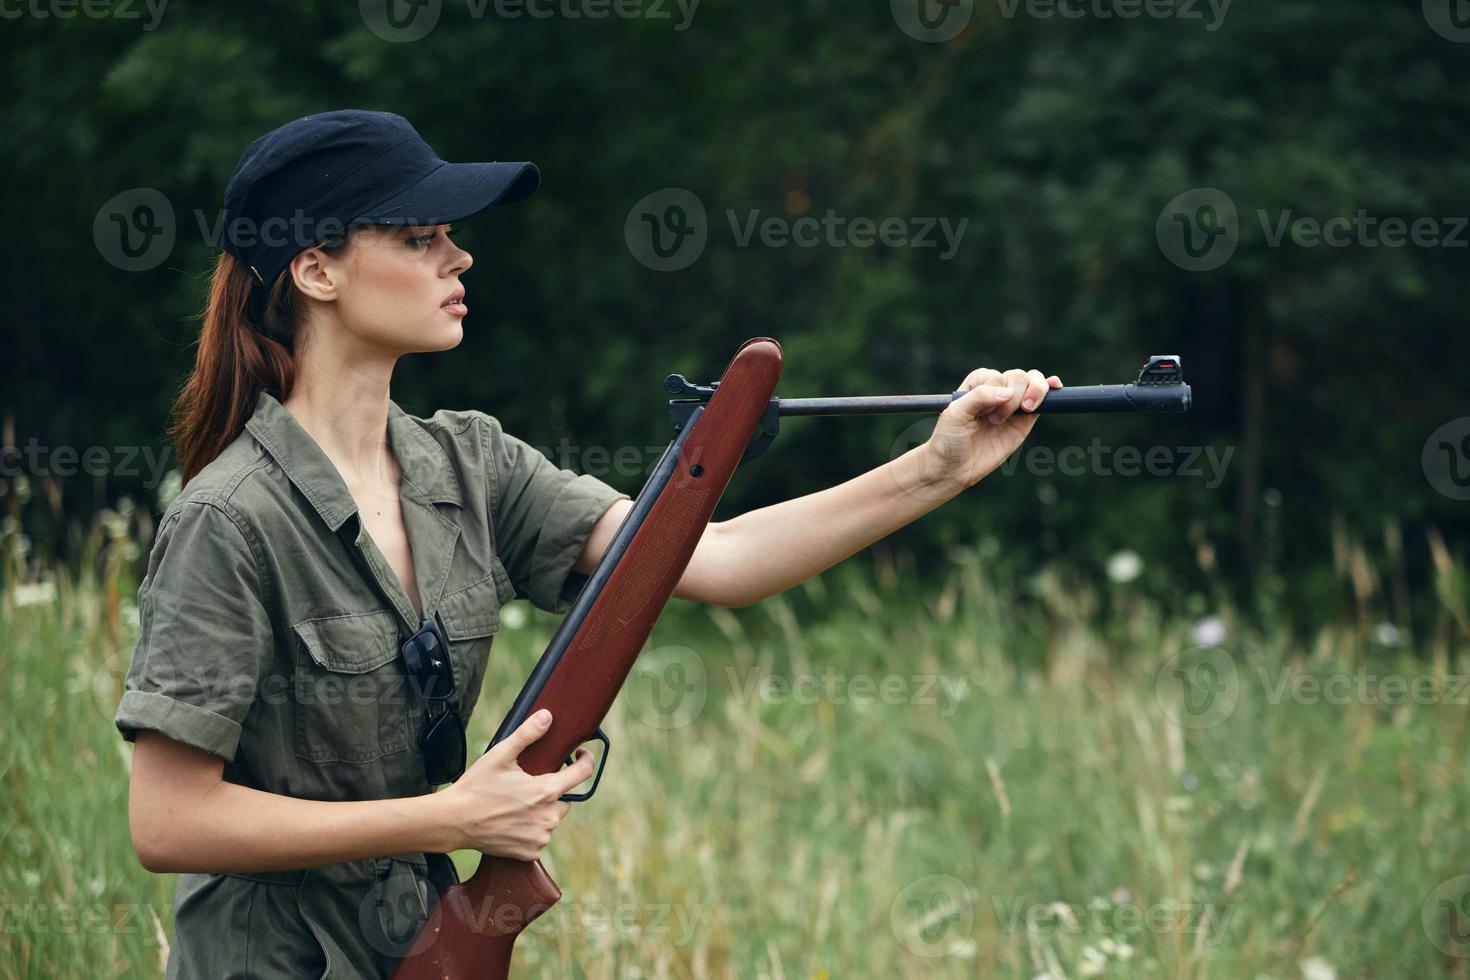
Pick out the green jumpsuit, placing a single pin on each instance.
(263, 642)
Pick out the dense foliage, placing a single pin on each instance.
(1056, 143)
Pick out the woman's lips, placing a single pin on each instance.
(455, 308)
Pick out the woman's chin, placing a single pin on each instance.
(443, 337)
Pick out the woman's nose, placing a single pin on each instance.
(462, 261)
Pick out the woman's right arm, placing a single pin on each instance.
(185, 817)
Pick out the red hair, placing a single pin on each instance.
(247, 346)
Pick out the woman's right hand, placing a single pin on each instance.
(501, 809)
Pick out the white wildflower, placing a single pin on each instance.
(1209, 632)
(1316, 968)
(513, 616)
(1125, 566)
(168, 489)
(35, 593)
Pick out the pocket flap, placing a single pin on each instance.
(352, 644)
(474, 610)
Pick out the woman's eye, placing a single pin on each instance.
(421, 241)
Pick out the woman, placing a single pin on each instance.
(286, 751)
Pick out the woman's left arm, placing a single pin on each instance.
(768, 550)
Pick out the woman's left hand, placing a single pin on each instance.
(977, 432)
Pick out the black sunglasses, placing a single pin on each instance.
(443, 742)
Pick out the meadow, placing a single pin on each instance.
(1045, 774)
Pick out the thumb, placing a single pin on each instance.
(529, 731)
(981, 400)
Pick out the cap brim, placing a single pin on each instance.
(455, 191)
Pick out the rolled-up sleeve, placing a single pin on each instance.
(542, 516)
(205, 642)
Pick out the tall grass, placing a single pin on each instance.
(1042, 776)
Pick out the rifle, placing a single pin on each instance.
(472, 928)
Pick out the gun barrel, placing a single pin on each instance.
(1062, 401)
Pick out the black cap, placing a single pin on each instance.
(317, 176)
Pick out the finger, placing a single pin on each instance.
(1036, 389)
(1055, 381)
(1017, 381)
(562, 781)
(978, 377)
(529, 731)
(982, 400)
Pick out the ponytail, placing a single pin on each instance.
(247, 346)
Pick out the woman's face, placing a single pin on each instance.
(398, 287)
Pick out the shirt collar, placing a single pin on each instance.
(426, 467)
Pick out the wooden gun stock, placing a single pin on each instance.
(472, 929)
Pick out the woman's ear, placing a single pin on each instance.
(313, 276)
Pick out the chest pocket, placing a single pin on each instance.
(352, 700)
(471, 618)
